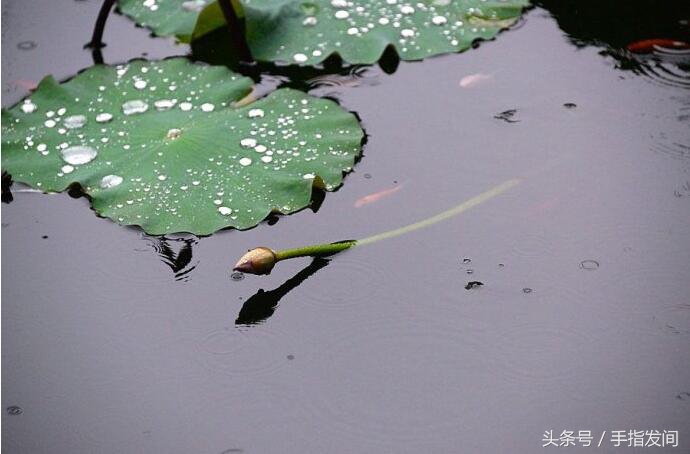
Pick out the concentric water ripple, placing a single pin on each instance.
(400, 380)
(346, 282)
(241, 351)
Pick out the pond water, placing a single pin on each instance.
(561, 305)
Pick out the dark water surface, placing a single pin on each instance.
(115, 342)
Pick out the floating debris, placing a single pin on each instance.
(473, 284)
(507, 116)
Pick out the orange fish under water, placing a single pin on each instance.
(474, 79)
(26, 84)
(646, 46)
(375, 197)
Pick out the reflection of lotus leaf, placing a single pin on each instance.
(160, 145)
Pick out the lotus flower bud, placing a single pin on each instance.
(257, 261)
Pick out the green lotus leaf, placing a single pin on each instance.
(166, 17)
(166, 146)
(307, 32)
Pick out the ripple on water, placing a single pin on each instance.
(653, 299)
(241, 351)
(400, 379)
(357, 75)
(534, 245)
(540, 353)
(665, 67)
(345, 282)
(675, 144)
(177, 253)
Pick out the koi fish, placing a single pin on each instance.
(371, 198)
(646, 46)
(474, 79)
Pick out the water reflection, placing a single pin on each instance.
(262, 304)
(623, 28)
(177, 253)
(6, 184)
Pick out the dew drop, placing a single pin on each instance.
(207, 107)
(384, 21)
(266, 159)
(164, 104)
(186, 106)
(28, 106)
(300, 58)
(407, 33)
(309, 176)
(194, 6)
(339, 3)
(439, 20)
(140, 84)
(49, 123)
(103, 117)
(342, 14)
(352, 31)
(110, 181)
(174, 133)
(162, 177)
(135, 106)
(248, 142)
(260, 148)
(407, 9)
(67, 169)
(41, 147)
(225, 211)
(74, 122)
(78, 154)
(255, 113)
(245, 161)
(309, 21)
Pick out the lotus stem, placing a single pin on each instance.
(97, 37)
(236, 28)
(261, 260)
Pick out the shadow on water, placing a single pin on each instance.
(260, 306)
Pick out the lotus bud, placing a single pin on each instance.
(257, 261)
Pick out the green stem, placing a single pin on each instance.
(320, 250)
(317, 250)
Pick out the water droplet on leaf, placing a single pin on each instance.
(78, 155)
